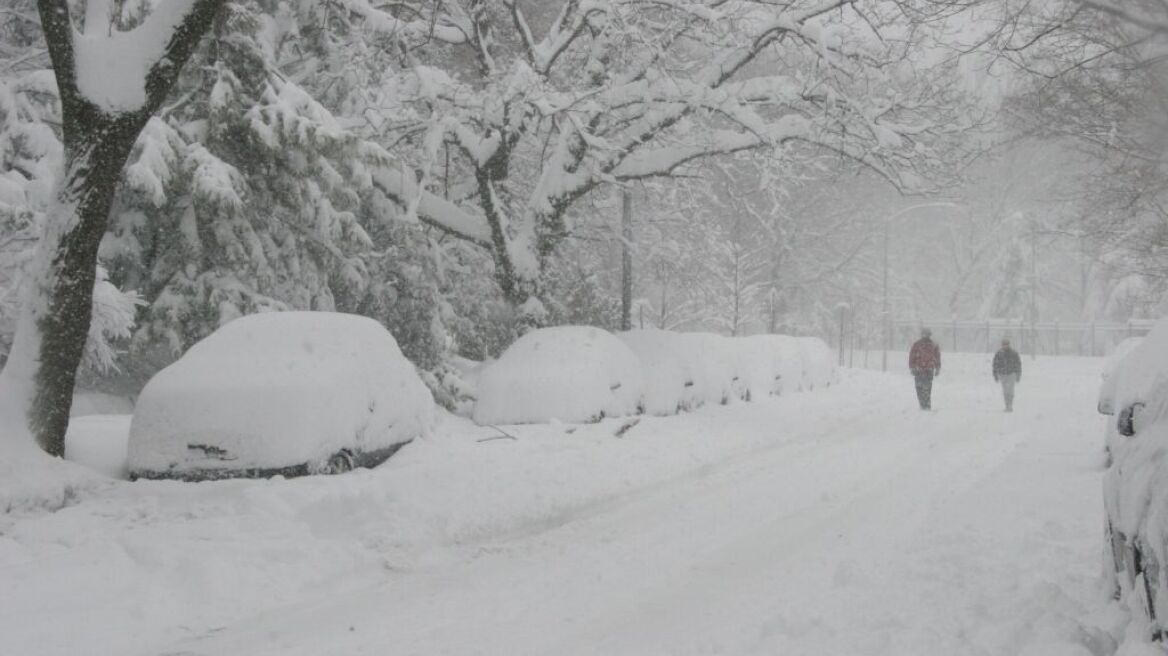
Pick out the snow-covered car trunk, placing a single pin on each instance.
(1136, 484)
(566, 373)
(280, 393)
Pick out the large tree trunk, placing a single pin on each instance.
(36, 385)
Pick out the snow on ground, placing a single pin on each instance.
(840, 521)
(98, 441)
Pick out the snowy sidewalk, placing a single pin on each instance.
(841, 521)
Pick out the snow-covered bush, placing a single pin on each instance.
(668, 371)
(567, 373)
(819, 368)
(279, 390)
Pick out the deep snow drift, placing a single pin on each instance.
(839, 521)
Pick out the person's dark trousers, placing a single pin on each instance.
(924, 381)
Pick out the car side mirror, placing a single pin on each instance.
(1125, 422)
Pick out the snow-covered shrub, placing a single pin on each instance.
(567, 373)
(278, 390)
(668, 371)
(819, 363)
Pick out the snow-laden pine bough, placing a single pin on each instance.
(1134, 393)
(287, 393)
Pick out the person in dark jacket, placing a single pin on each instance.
(1007, 371)
(924, 360)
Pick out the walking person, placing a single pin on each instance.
(924, 360)
(1007, 371)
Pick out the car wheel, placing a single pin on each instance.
(340, 462)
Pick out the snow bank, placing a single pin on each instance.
(277, 390)
(98, 403)
(99, 443)
(567, 373)
(32, 481)
(819, 369)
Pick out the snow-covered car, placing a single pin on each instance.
(1135, 486)
(754, 368)
(566, 373)
(711, 358)
(287, 393)
(785, 357)
(819, 363)
(667, 369)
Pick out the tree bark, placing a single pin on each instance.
(626, 260)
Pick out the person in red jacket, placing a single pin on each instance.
(924, 360)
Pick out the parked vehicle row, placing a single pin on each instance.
(581, 374)
(296, 393)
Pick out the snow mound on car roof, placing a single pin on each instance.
(566, 373)
(279, 389)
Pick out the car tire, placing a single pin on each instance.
(340, 462)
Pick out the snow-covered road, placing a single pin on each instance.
(841, 521)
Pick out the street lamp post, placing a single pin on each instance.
(884, 302)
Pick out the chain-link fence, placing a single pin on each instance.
(1042, 338)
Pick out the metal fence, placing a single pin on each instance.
(971, 336)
